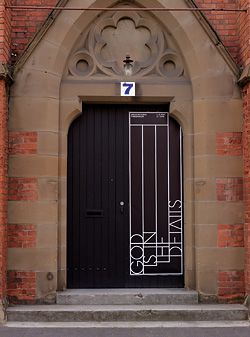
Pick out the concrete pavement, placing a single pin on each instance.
(182, 331)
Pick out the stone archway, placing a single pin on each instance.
(96, 62)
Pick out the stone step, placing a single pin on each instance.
(111, 313)
(127, 296)
(133, 324)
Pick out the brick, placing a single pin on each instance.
(21, 236)
(23, 189)
(23, 20)
(230, 235)
(231, 286)
(225, 24)
(21, 286)
(229, 144)
(229, 189)
(22, 143)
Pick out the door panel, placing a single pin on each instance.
(111, 165)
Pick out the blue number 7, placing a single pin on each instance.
(129, 86)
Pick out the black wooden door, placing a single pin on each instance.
(124, 198)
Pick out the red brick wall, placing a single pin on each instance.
(21, 286)
(231, 235)
(246, 150)
(229, 143)
(231, 286)
(225, 24)
(229, 189)
(244, 31)
(21, 236)
(5, 31)
(23, 189)
(22, 143)
(4, 57)
(26, 23)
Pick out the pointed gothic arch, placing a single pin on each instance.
(58, 76)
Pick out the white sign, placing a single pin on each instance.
(128, 89)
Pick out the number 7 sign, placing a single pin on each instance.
(127, 88)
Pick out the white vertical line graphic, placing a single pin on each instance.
(142, 177)
(181, 182)
(156, 192)
(130, 234)
(142, 187)
(168, 148)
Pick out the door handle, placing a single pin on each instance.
(122, 207)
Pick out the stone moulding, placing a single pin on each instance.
(101, 50)
(245, 76)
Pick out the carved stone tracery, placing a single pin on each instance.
(101, 50)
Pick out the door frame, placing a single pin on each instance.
(183, 115)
